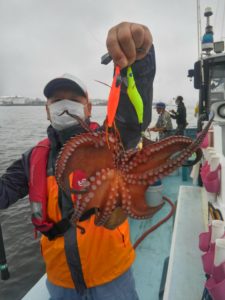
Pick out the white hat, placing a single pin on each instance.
(66, 80)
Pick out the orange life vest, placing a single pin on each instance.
(104, 254)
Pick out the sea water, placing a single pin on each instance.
(20, 129)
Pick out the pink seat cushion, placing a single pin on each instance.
(211, 181)
(204, 240)
(204, 170)
(216, 284)
(208, 259)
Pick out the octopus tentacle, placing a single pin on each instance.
(101, 182)
(108, 206)
(155, 154)
(117, 178)
(81, 146)
(81, 204)
(81, 121)
(107, 190)
(159, 172)
(139, 209)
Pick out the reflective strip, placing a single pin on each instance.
(36, 209)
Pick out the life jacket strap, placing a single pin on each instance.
(58, 229)
(73, 259)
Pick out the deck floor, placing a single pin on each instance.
(155, 248)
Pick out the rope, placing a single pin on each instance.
(215, 212)
(154, 227)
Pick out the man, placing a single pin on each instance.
(179, 116)
(164, 124)
(95, 264)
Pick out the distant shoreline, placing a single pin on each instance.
(22, 104)
(40, 104)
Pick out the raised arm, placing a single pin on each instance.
(131, 44)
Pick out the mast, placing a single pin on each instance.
(199, 28)
(207, 40)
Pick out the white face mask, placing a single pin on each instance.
(60, 119)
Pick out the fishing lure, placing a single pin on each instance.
(114, 97)
(132, 92)
(134, 95)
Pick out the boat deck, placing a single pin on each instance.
(156, 247)
(185, 278)
(185, 268)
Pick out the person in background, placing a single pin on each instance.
(95, 264)
(196, 110)
(180, 116)
(164, 123)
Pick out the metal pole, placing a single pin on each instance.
(199, 28)
(3, 263)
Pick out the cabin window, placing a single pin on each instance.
(217, 83)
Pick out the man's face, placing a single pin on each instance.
(69, 95)
(177, 101)
(159, 110)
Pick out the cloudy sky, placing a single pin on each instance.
(41, 39)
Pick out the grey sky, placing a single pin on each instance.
(41, 39)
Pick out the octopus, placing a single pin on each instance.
(115, 179)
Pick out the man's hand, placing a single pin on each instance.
(152, 129)
(156, 129)
(128, 42)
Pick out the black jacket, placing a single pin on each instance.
(180, 114)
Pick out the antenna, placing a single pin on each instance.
(207, 40)
(222, 28)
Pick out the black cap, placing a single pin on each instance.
(180, 98)
(160, 105)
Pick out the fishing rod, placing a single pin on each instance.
(3, 263)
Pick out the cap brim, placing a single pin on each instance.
(61, 83)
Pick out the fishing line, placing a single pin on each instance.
(223, 21)
(216, 13)
(106, 84)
